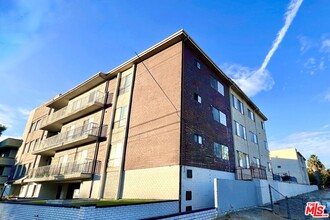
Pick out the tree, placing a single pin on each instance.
(2, 128)
(316, 171)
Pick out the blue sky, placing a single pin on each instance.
(48, 47)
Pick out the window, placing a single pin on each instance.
(215, 84)
(253, 137)
(238, 104)
(189, 174)
(76, 105)
(225, 152)
(188, 195)
(32, 145)
(27, 147)
(221, 151)
(198, 139)
(262, 125)
(1, 170)
(125, 83)
(32, 128)
(266, 145)
(250, 114)
(243, 159)
(35, 126)
(94, 96)
(240, 130)
(256, 162)
(269, 167)
(219, 116)
(121, 115)
(188, 208)
(197, 64)
(197, 98)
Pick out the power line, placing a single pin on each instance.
(168, 98)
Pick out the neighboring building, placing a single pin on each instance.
(250, 141)
(8, 150)
(289, 164)
(159, 126)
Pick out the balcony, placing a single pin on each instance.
(7, 161)
(3, 179)
(253, 172)
(82, 135)
(74, 110)
(64, 172)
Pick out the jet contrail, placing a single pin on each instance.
(289, 16)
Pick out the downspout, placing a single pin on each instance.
(94, 162)
(181, 126)
(107, 153)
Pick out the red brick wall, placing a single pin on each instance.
(154, 127)
(198, 117)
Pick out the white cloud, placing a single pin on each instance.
(24, 112)
(305, 43)
(327, 95)
(251, 81)
(7, 116)
(312, 65)
(14, 119)
(289, 16)
(308, 142)
(325, 45)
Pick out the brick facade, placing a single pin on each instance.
(197, 117)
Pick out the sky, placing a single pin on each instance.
(278, 52)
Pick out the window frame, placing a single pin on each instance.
(238, 104)
(219, 116)
(251, 115)
(198, 139)
(218, 86)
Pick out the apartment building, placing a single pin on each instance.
(159, 126)
(8, 150)
(289, 165)
(250, 140)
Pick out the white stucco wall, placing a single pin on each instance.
(202, 186)
(232, 195)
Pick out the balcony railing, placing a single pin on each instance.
(81, 135)
(65, 171)
(3, 179)
(250, 173)
(74, 110)
(7, 161)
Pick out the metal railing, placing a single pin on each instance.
(87, 167)
(250, 173)
(75, 106)
(70, 136)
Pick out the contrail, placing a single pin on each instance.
(289, 16)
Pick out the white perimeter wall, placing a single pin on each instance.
(202, 186)
(232, 195)
(141, 211)
(287, 189)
